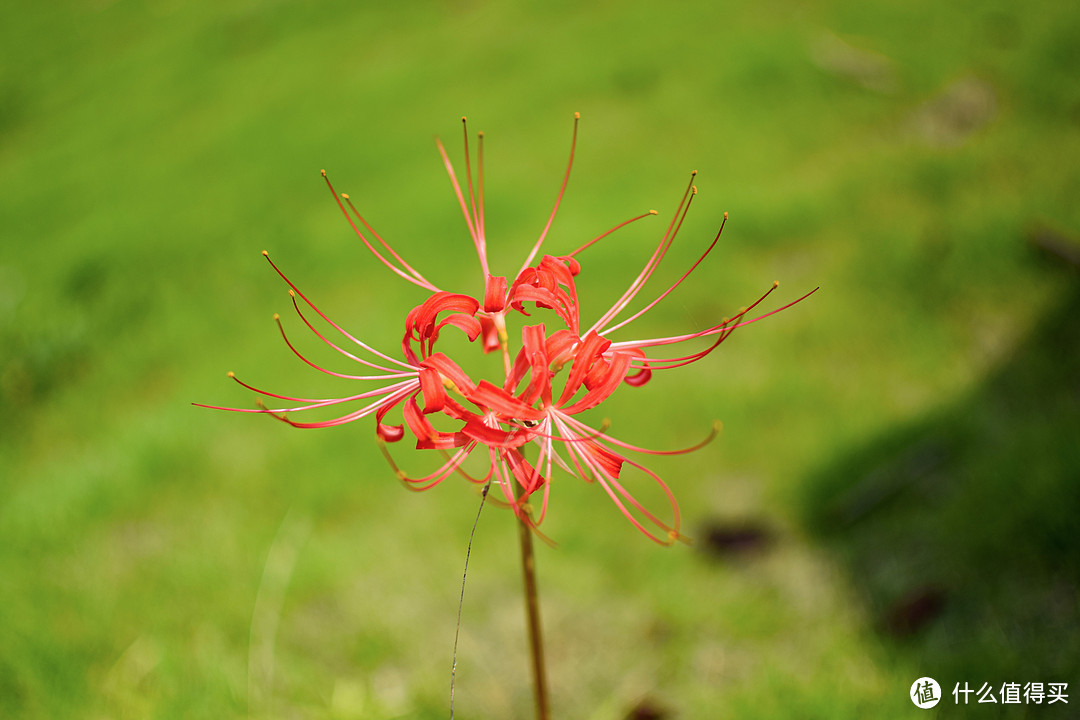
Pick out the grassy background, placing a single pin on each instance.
(899, 456)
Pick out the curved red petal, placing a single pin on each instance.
(619, 364)
(477, 430)
(388, 433)
(466, 323)
(449, 370)
(590, 349)
(644, 373)
(490, 334)
(527, 476)
(495, 294)
(432, 389)
(501, 402)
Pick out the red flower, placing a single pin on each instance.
(532, 405)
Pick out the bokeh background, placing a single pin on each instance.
(894, 494)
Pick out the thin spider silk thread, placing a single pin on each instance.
(461, 600)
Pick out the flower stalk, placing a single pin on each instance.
(532, 614)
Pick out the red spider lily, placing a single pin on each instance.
(531, 406)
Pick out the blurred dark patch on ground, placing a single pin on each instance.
(647, 709)
(960, 531)
(744, 539)
(1055, 245)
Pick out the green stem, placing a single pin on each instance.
(532, 612)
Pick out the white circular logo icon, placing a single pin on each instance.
(925, 693)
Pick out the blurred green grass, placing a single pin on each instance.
(961, 526)
(896, 154)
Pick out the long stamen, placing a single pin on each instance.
(389, 391)
(603, 235)
(281, 329)
(569, 439)
(448, 468)
(424, 282)
(655, 258)
(311, 403)
(391, 371)
(468, 178)
(398, 271)
(481, 250)
(549, 446)
(721, 328)
(405, 390)
(614, 490)
(330, 322)
(467, 476)
(534, 478)
(582, 427)
(544, 429)
(393, 393)
(232, 376)
(480, 186)
(558, 198)
(502, 476)
(669, 363)
(672, 530)
(674, 285)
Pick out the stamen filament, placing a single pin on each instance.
(655, 258)
(674, 285)
(578, 425)
(330, 322)
(480, 186)
(433, 479)
(407, 266)
(630, 344)
(281, 329)
(391, 372)
(401, 273)
(481, 249)
(472, 194)
(603, 235)
(406, 390)
(558, 198)
(607, 481)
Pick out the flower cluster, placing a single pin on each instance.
(558, 371)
